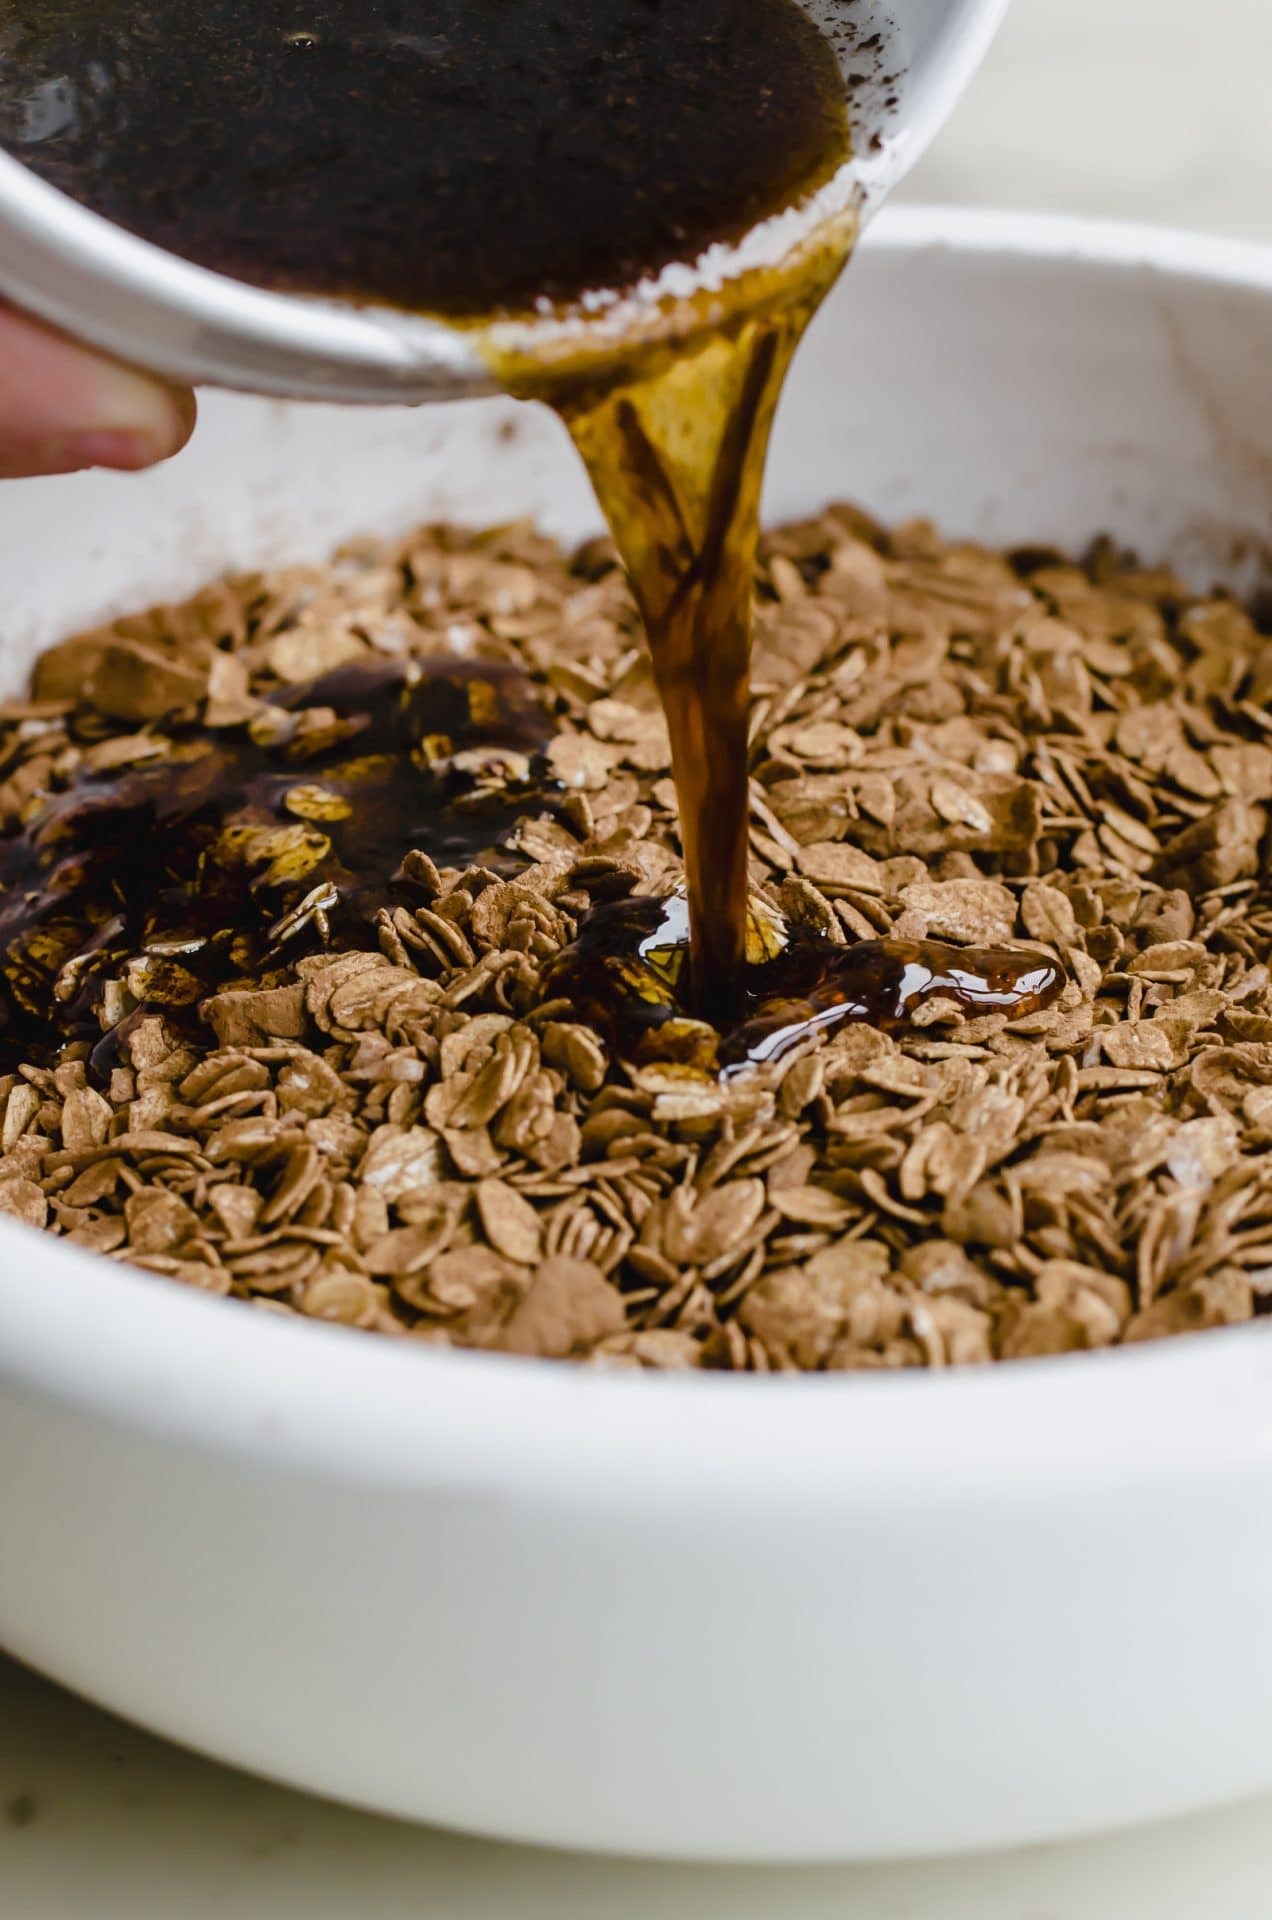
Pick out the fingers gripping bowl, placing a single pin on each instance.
(754, 1619)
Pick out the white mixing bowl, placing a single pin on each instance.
(755, 1619)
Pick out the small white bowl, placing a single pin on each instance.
(783, 1619)
(149, 307)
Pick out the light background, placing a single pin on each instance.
(1145, 109)
(1142, 109)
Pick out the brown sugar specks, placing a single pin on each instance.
(385, 1117)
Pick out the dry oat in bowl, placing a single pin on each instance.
(290, 870)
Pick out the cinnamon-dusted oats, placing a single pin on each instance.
(361, 1102)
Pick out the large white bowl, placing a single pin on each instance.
(716, 1617)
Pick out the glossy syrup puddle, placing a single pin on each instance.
(627, 973)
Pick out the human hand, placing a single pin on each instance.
(63, 407)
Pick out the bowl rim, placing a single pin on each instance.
(160, 1361)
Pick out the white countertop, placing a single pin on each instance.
(1148, 109)
(98, 1822)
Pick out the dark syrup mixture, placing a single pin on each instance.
(456, 156)
(474, 158)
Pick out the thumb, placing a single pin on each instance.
(63, 407)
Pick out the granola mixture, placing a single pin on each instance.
(949, 743)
